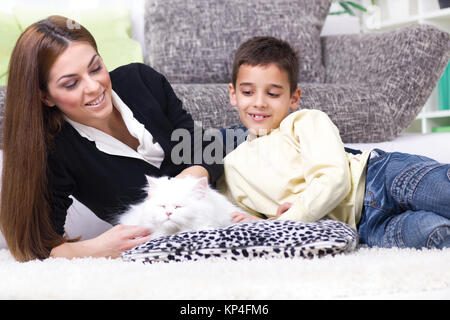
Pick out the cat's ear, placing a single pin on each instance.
(151, 183)
(201, 186)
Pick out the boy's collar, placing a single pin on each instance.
(251, 136)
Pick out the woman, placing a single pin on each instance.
(72, 128)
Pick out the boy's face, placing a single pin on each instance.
(262, 96)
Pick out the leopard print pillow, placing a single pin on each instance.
(261, 239)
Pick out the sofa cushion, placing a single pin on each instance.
(208, 103)
(193, 41)
(111, 30)
(400, 68)
(251, 240)
(10, 32)
(360, 112)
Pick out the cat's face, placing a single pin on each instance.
(172, 203)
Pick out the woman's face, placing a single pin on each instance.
(80, 86)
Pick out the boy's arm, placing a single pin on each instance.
(325, 166)
(243, 217)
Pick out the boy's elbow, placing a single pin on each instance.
(335, 182)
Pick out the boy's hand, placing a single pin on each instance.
(283, 208)
(242, 217)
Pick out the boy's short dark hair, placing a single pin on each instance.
(262, 51)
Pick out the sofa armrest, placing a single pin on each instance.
(404, 65)
(407, 54)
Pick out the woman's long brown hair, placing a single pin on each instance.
(28, 129)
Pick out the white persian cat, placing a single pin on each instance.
(180, 204)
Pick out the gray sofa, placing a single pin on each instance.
(371, 85)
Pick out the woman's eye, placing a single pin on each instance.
(72, 85)
(273, 95)
(246, 93)
(97, 69)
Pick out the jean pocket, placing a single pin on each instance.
(405, 184)
(371, 200)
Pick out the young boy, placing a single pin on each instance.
(293, 166)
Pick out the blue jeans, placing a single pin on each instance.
(406, 203)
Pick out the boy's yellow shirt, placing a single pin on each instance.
(302, 162)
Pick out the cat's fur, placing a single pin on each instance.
(179, 204)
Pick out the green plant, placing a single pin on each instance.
(348, 7)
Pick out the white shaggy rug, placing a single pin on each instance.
(363, 274)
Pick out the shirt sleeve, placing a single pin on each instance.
(61, 186)
(324, 162)
(181, 119)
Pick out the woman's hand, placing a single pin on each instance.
(243, 217)
(195, 171)
(120, 238)
(109, 244)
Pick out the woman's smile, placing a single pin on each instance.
(98, 102)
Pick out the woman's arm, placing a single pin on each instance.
(179, 118)
(109, 244)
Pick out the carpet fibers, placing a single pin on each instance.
(364, 274)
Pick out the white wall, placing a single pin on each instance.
(340, 24)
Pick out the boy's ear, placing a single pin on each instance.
(232, 94)
(295, 99)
